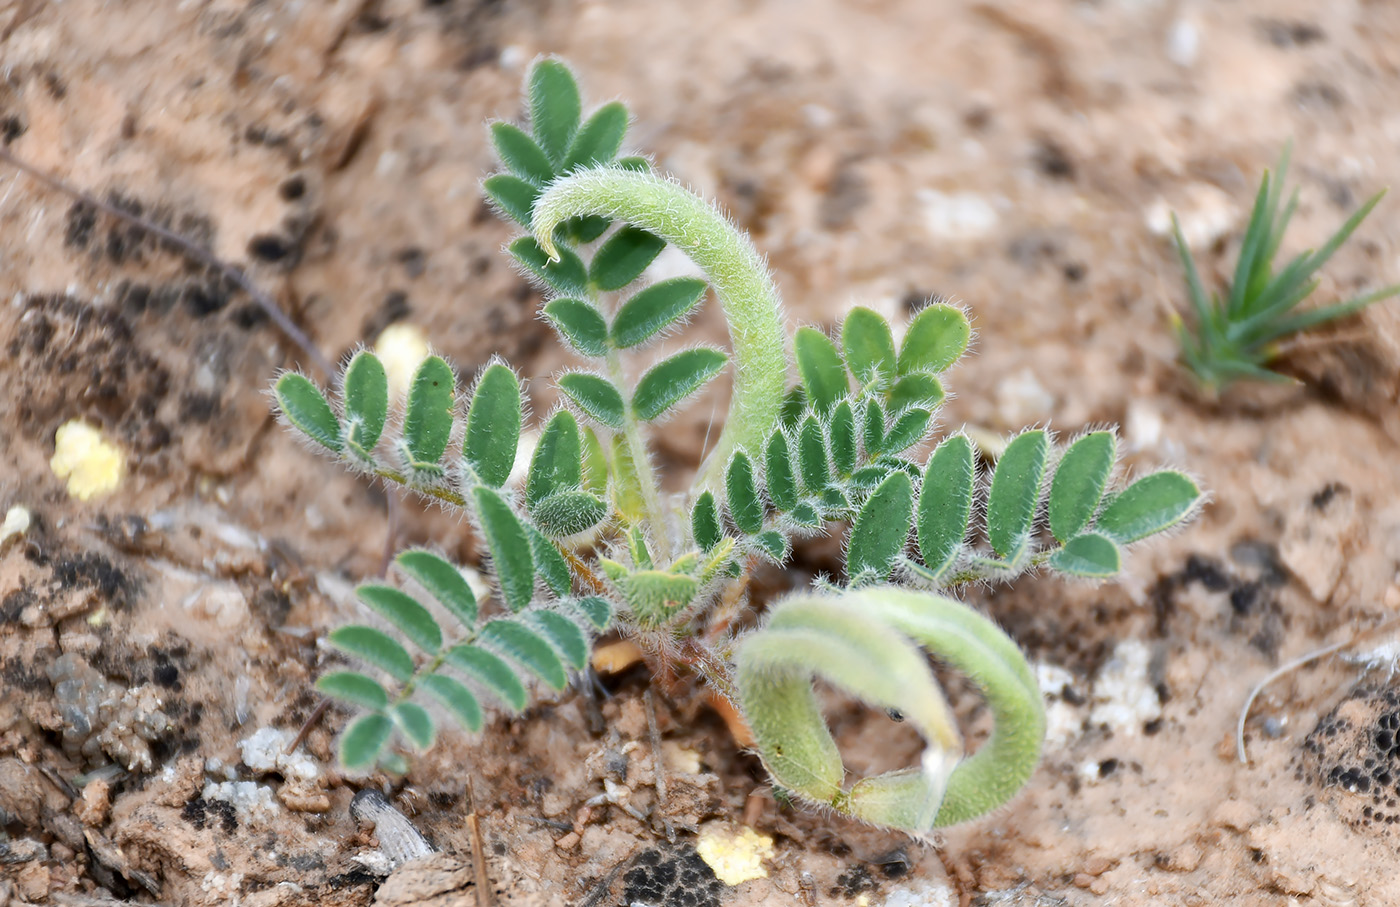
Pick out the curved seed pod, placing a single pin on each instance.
(743, 285)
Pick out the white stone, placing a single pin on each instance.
(1123, 697)
(1183, 43)
(956, 215)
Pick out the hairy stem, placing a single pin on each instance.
(646, 474)
(742, 283)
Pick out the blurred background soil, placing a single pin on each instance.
(1019, 157)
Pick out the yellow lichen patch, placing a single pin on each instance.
(735, 857)
(91, 464)
(401, 347)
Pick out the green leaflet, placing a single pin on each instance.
(595, 396)
(363, 741)
(655, 596)
(937, 336)
(635, 163)
(945, 503)
(443, 581)
(909, 429)
(568, 512)
(427, 423)
(597, 609)
(782, 484)
(555, 108)
(525, 647)
(456, 698)
(513, 196)
(1080, 479)
(564, 635)
(919, 389)
(623, 258)
(487, 669)
(793, 409)
(637, 547)
(1015, 492)
(301, 402)
(600, 138)
(774, 545)
(493, 425)
(415, 723)
(550, 563)
(823, 373)
(742, 493)
(627, 485)
(880, 530)
(873, 429)
(652, 310)
(558, 460)
(354, 688)
(869, 346)
(674, 379)
(806, 516)
(366, 394)
(843, 438)
(595, 465)
(373, 647)
(811, 456)
(520, 153)
(580, 324)
(1148, 506)
(403, 611)
(567, 276)
(704, 522)
(1090, 555)
(510, 548)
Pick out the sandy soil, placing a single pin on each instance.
(1016, 156)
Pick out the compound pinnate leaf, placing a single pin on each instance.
(550, 563)
(843, 438)
(909, 429)
(443, 581)
(363, 741)
(811, 456)
(523, 646)
(509, 546)
(1151, 504)
(456, 698)
(600, 138)
(919, 389)
(1090, 555)
(782, 484)
(1080, 479)
(513, 195)
(520, 153)
(565, 635)
(366, 392)
(773, 544)
(674, 379)
(654, 309)
(742, 493)
(823, 373)
(493, 425)
(427, 423)
(555, 108)
(489, 670)
(568, 512)
(580, 324)
(567, 275)
(704, 522)
(937, 336)
(557, 463)
(880, 530)
(354, 688)
(373, 647)
(596, 397)
(1015, 492)
(945, 502)
(415, 723)
(868, 345)
(304, 406)
(597, 609)
(623, 258)
(403, 611)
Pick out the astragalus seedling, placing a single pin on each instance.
(590, 541)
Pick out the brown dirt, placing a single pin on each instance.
(334, 150)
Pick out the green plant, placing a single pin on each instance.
(590, 541)
(1237, 336)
